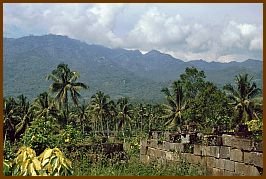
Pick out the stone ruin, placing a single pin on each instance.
(218, 154)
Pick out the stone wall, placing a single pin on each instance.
(218, 155)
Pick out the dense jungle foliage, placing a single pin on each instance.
(37, 133)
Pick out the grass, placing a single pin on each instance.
(86, 166)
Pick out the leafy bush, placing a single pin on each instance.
(51, 162)
(42, 134)
(70, 135)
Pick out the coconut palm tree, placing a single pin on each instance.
(242, 97)
(80, 115)
(112, 114)
(99, 107)
(45, 106)
(17, 116)
(141, 115)
(65, 83)
(176, 104)
(124, 113)
(10, 118)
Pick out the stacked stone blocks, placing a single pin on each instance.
(218, 155)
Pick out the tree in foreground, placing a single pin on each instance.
(176, 105)
(65, 82)
(242, 97)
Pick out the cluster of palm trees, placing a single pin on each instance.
(102, 113)
(244, 98)
(99, 114)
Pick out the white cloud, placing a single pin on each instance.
(175, 30)
(256, 44)
(156, 29)
(241, 36)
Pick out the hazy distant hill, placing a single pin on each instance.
(118, 72)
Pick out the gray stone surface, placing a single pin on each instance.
(254, 158)
(224, 152)
(236, 155)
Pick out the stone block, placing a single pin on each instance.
(220, 163)
(215, 151)
(197, 149)
(210, 162)
(242, 169)
(229, 165)
(169, 156)
(217, 172)
(187, 157)
(242, 144)
(224, 152)
(179, 147)
(254, 171)
(246, 170)
(254, 158)
(196, 159)
(166, 145)
(227, 140)
(159, 153)
(171, 146)
(143, 150)
(209, 171)
(206, 150)
(236, 155)
(151, 152)
(153, 143)
(203, 162)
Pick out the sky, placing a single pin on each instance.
(188, 31)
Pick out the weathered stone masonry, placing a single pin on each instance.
(224, 155)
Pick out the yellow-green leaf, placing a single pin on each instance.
(37, 164)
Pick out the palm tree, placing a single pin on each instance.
(99, 106)
(64, 83)
(17, 116)
(141, 115)
(242, 97)
(124, 113)
(112, 114)
(150, 114)
(45, 106)
(176, 104)
(80, 115)
(10, 118)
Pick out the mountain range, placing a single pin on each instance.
(117, 72)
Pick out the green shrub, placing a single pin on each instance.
(51, 162)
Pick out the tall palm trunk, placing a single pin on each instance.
(107, 125)
(102, 117)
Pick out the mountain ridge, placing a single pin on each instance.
(153, 51)
(118, 72)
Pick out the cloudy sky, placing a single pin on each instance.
(213, 32)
